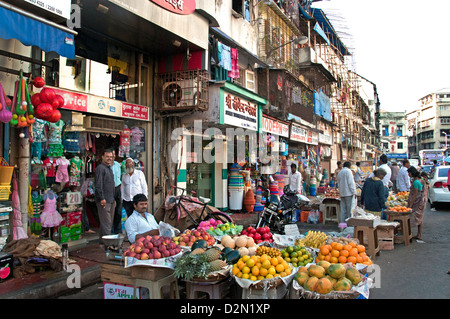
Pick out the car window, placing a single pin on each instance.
(443, 172)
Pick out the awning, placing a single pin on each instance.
(31, 30)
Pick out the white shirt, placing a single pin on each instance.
(136, 224)
(295, 181)
(133, 185)
(346, 183)
(387, 177)
(403, 181)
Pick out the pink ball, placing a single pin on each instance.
(35, 99)
(38, 82)
(47, 95)
(43, 111)
(58, 102)
(55, 116)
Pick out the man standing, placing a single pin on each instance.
(358, 173)
(133, 183)
(104, 193)
(347, 191)
(394, 169)
(383, 165)
(140, 223)
(117, 170)
(295, 180)
(403, 182)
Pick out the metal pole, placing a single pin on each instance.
(23, 180)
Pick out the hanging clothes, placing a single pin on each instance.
(225, 57)
(234, 73)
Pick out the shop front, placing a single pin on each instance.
(64, 156)
(224, 141)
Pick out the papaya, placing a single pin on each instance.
(336, 271)
(323, 286)
(311, 283)
(316, 271)
(353, 275)
(301, 277)
(325, 264)
(343, 284)
(331, 279)
(303, 269)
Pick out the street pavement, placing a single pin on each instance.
(417, 271)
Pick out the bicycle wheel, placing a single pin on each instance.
(224, 218)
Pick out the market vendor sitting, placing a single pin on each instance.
(140, 223)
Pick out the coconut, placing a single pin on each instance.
(227, 241)
(241, 241)
(250, 242)
(243, 251)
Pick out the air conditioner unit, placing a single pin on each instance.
(181, 93)
(103, 124)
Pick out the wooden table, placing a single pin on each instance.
(405, 224)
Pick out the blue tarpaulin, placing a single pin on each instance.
(29, 31)
(322, 105)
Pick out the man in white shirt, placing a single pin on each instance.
(295, 180)
(403, 181)
(347, 191)
(140, 223)
(133, 183)
(383, 165)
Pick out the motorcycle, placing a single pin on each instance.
(278, 214)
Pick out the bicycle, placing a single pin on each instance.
(206, 214)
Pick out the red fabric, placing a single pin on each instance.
(234, 73)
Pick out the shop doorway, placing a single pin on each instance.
(200, 180)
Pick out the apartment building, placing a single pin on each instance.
(394, 139)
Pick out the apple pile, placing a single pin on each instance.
(152, 247)
(259, 235)
(210, 224)
(191, 235)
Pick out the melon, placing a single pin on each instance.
(323, 286)
(252, 250)
(227, 241)
(243, 251)
(343, 284)
(353, 275)
(241, 241)
(336, 270)
(250, 242)
(311, 283)
(316, 271)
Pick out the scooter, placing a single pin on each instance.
(278, 214)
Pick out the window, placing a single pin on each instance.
(445, 120)
(385, 146)
(400, 145)
(242, 7)
(399, 130)
(385, 130)
(250, 80)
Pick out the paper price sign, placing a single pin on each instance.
(73, 198)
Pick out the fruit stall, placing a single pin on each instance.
(225, 260)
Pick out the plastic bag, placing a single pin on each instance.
(313, 217)
(167, 230)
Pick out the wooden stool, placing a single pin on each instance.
(156, 286)
(213, 289)
(372, 246)
(331, 212)
(405, 225)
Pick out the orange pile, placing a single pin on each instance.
(399, 209)
(339, 253)
(405, 193)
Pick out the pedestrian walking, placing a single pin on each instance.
(417, 200)
(403, 181)
(104, 193)
(347, 191)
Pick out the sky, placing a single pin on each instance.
(403, 46)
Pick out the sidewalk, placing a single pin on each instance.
(89, 256)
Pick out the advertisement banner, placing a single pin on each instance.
(59, 7)
(73, 101)
(298, 133)
(134, 111)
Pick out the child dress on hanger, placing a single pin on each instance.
(50, 216)
(62, 173)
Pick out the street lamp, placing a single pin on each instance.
(299, 41)
(445, 139)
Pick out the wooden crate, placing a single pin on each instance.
(386, 243)
(385, 235)
(150, 273)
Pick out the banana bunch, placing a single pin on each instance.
(313, 239)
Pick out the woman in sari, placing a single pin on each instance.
(417, 200)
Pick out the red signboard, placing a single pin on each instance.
(135, 111)
(73, 101)
(177, 6)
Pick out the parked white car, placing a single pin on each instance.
(439, 192)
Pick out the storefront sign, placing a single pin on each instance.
(177, 6)
(275, 127)
(59, 7)
(298, 134)
(101, 105)
(73, 101)
(134, 111)
(240, 112)
(312, 138)
(325, 139)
